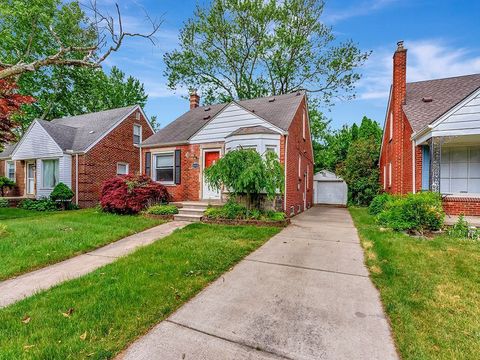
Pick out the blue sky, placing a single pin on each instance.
(442, 38)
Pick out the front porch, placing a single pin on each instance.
(450, 165)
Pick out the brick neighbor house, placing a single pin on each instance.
(80, 151)
(177, 155)
(431, 138)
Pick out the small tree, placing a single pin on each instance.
(5, 184)
(62, 193)
(247, 173)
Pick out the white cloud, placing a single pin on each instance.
(361, 9)
(426, 59)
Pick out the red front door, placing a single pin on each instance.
(210, 157)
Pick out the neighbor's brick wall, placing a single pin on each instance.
(189, 187)
(296, 146)
(19, 190)
(461, 205)
(418, 168)
(100, 163)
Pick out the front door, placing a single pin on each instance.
(209, 158)
(30, 178)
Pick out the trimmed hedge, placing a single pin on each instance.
(162, 210)
(234, 211)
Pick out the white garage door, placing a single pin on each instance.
(331, 192)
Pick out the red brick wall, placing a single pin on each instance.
(189, 187)
(461, 205)
(19, 190)
(297, 146)
(100, 163)
(418, 168)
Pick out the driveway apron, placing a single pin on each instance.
(305, 294)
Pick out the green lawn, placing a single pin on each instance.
(35, 239)
(430, 290)
(117, 303)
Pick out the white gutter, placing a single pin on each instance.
(141, 163)
(76, 179)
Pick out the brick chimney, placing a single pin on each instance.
(400, 73)
(194, 99)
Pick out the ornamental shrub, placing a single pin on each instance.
(131, 194)
(61, 192)
(414, 212)
(378, 203)
(3, 203)
(5, 184)
(39, 205)
(162, 210)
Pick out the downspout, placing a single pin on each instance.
(76, 179)
(414, 172)
(141, 163)
(285, 178)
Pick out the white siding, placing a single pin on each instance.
(258, 141)
(465, 119)
(229, 120)
(65, 174)
(36, 144)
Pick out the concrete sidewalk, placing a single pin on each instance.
(305, 294)
(15, 289)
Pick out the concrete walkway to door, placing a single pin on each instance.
(25, 285)
(305, 294)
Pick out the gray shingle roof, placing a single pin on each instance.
(252, 130)
(445, 94)
(279, 112)
(7, 151)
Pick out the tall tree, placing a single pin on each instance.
(39, 34)
(244, 49)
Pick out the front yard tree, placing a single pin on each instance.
(245, 49)
(247, 173)
(38, 34)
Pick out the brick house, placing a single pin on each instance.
(80, 151)
(177, 155)
(431, 138)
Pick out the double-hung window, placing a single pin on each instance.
(164, 167)
(137, 134)
(50, 171)
(10, 170)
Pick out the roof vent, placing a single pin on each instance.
(91, 132)
(271, 99)
(298, 93)
(207, 108)
(427, 99)
(206, 117)
(253, 110)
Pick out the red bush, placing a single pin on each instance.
(131, 194)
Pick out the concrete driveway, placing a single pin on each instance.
(305, 294)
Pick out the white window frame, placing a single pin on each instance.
(304, 124)
(137, 126)
(137, 115)
(127, 167)
(299, 166)
(384, 176)
(7, 172)
(154, 167)
(391, 125)
(43, 174)
(307, 178)
(390, 174)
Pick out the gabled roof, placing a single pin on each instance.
(278, 110)
(78, 133)
(249, 130)
(444, 95)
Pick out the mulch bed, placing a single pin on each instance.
(278, 223)
(161, 217)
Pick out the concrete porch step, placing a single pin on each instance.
(188, 217)
(191, 211)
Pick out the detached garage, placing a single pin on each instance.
(329, 189)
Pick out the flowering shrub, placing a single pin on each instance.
(131, 194)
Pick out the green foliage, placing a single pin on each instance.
(414, 212)
(246, 172)
(61, 192)
(3, 230)
(462, 230)
(39, 205)
(378, 203)
(162, 210)
(246, 49)
(233, 210)
(5, 184)
(4, 203)
(360, 171)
